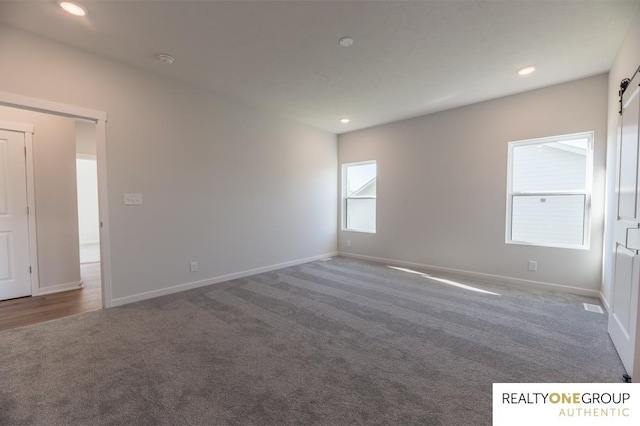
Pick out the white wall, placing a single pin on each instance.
(626, 63)
(85, 137)
(442, 185)
(88, 215)
(87, 182)
(223, 184)
(54, 159)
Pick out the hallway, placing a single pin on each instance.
(32, 310)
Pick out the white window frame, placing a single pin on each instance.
(587, 193)
(344, 197)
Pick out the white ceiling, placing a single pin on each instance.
(408, 59)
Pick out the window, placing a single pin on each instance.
(359, 196)
(549, 191)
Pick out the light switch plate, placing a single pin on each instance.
(132, 199)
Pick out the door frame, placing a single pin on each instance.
(100, 118)
(27, 131)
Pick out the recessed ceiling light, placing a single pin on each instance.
(345, 120)
(73, 8)
(166, 59)
(346, 42)
(527, 70)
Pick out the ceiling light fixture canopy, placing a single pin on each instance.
(345, 120)
(73, 8)
(346, 42)
(526, 70)
(166, 59)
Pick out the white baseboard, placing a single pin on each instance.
(515, 282)
(59, 288)
(215, 280)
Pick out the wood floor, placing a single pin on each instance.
(31, 310)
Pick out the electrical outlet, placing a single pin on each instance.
(348, 243)
(533, 265)
(132, 199)
(193, 266)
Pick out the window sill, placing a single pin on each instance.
(549, 245)
(361, 231)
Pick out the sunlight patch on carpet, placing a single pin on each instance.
(444, 281)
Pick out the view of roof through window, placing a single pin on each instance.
(361, 180)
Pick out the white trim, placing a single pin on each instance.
(119, 301)
(27, 131)
(343, 196)
(586, 241)
(100, 118)
(33, 211)
(41, 105)
(16, 127)
(564, 246)
(103, 211)
(59, 288)
(512, 282)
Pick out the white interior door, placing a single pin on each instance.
(623, 310)
(15, 280)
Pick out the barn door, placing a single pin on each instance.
(623, 310)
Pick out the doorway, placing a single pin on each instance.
(88, 218)
(58, 301)
(88, 214)
(87, 193)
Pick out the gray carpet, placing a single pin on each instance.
(329, 342)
